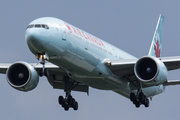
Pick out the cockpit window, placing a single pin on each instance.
(46, 27)
(43, 26)
(38, 26)
(30, 26)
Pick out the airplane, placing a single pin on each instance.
(74, 60)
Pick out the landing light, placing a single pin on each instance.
(41, 56)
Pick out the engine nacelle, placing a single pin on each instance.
(151, 71)
(22, 76)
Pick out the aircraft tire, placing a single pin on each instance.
(142, 98)
(66, 107)
(61, 100)
(146, 103)
(41, 73)
(132, 96)
(137, 104)
(73, 102)
(63, 104)
(69, 100)
(46, 73)
(75, 107)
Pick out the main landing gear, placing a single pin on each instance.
(68, 101)
(139, 99)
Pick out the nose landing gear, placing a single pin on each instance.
(43, 71)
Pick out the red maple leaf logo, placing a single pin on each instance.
(157, 49)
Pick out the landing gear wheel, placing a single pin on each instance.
(66, 107)
(146, 103)
(73, 102)
(69, 100)
(61, 100)
(139, 99)
(132, 96)
(142, 97)
(41, 73)
(137, 104)
(63, 104)
(46, 73)
(75, 106)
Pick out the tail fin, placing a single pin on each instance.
(156, 45)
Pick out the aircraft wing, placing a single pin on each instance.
(5, 66)
(121, 67)
(171, 63)
(125, 68)
(55, 76)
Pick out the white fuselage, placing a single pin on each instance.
(81, 54)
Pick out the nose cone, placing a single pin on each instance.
(33, 40)
(32, 36)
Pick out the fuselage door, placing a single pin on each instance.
(114, 52)
(86, 44)
(64, 34)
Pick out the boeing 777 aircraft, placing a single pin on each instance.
(77, 60)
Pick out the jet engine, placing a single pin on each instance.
(150, 70)
(22, 76)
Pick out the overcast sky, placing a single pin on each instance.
(128, 24)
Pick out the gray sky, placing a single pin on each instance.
(128, 25)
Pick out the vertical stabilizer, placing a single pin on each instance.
(156, 45)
